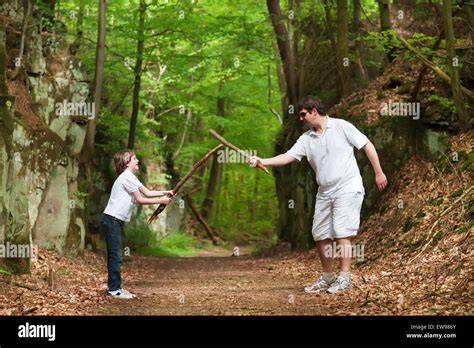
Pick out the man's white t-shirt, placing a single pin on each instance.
(121, 198)
(331, 155)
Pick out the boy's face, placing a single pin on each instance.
(133, 164)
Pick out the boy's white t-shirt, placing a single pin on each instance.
(121, 199)
(331, 155)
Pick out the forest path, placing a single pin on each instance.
(232, 285)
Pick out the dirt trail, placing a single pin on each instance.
(240, 285)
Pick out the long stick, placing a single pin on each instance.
(232, 146)
(199, 163)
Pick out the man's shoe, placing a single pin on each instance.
(341, 284)
(120, 294)
(319, 285)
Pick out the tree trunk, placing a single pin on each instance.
(469, 9)
(88, 147)
(87, 151)
(385, 24)
(286, 54)
(208, 204)
(342, 52)
(453, 64)
(216, 167)
(330, 34)
(361, 70)
(281, 78)
(290, 184)
(26, 16)
(138, 74)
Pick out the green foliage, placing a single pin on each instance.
(139, 235)
(4, 271)
(447, 104)
(384, 42)
(142, 240)
(174, 244)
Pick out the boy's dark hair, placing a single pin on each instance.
(310, 102)
(121, 159)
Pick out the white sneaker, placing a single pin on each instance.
(128, 292)
(340, 284)
(120, 294)
(319, 285)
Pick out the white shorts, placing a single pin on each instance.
(337, 217)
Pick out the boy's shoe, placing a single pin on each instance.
(319, 285)
(339, 285)
(120, 294)
(128, 293)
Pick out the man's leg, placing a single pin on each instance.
(346, 215)
(345, 247)
(325, 253)
(322, 227)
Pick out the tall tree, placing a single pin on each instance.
(216, 167)
(453, 64)
(342, 52)
(330, 34)
(138, 74)
(386, 25)
(88, 146)
(87, 151)
(361, 69)
(286, 53)
(290, 180)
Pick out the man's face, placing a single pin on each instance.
(133, 164)
(307, 116)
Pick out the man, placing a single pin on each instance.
(329, 148)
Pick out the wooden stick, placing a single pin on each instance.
(232, 146)
(199, 163)
(444, 76)
(210, 232)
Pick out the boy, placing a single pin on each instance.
(329, 148)
(126, 191)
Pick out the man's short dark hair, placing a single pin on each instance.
(310, 102)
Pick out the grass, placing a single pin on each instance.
(142, 240)
(174, 244)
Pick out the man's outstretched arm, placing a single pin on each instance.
(277, 161)
(380, 178)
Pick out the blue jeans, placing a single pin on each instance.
(112, 228)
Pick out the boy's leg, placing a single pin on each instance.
(113, 238)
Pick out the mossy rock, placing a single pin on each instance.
(394, 82)
(405, 88)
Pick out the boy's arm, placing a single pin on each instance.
(153, 193)
(380, 178)
(156, 200)
(277, 161)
